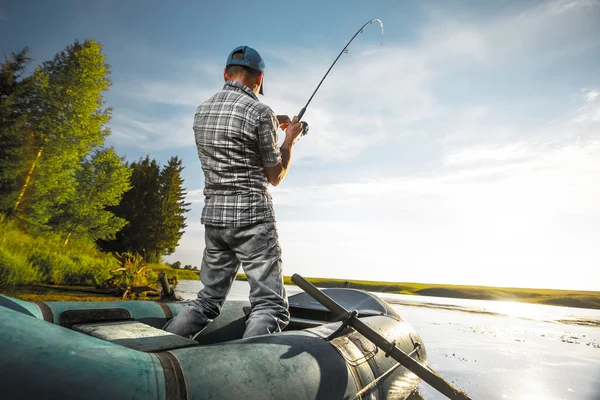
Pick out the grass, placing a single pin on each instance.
(565, 298)
(41, 268)
(28, 259)
(53, 292)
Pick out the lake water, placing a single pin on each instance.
(493, 349)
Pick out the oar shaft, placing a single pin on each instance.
(319, 296)
(408, 362)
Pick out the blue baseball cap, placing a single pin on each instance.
(251, 60)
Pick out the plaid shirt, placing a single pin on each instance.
(236, 136)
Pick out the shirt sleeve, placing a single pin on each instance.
(268, 142)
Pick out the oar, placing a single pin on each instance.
(422, 371)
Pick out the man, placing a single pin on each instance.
(237, 142)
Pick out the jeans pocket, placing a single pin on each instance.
(252, 240)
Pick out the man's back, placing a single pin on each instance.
(236, 136)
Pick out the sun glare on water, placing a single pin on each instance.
(534, 391)
(514, 309)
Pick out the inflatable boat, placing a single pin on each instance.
(117, 350)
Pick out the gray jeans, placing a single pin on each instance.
(256, 249)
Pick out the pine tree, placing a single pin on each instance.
(154, 209)
(172, 221)
(140, 207)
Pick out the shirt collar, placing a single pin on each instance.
(232, 85)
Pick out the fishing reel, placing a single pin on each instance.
(304, 128)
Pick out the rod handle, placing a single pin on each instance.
(301, 114)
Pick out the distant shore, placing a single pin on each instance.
(565, 298)
(554, 297)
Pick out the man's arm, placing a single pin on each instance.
(276, 173)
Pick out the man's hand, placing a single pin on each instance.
(284, 121)
(294, 129)
(276, 173)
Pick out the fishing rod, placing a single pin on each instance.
(344, 50)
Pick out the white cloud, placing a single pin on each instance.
(590, 112)
(592, 95)
(195, 196)
(131, 129)
(557, 7)
(517, 151)
(165, 92)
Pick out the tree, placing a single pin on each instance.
(14, 92)
(187, 267)
(101, 182)
(65, 121)
(173, 208)
(154, 209)
(176, 265)
(140, 207)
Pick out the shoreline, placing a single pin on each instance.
(553, 297)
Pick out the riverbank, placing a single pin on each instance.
(49, 292)
(565, 298)
(554, 297)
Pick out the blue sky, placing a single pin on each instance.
(464, 150)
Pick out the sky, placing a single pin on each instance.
(463, 149)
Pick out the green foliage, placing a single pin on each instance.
(62, 186)
(13, 135)
(15, 268)
(173, 207)
(139, 206)
(133, 273)
(101, 181)
(179, 274)
(27, 259)
(154, 209)
(176, 265)
(61, 122)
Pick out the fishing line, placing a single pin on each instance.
(344, 50)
